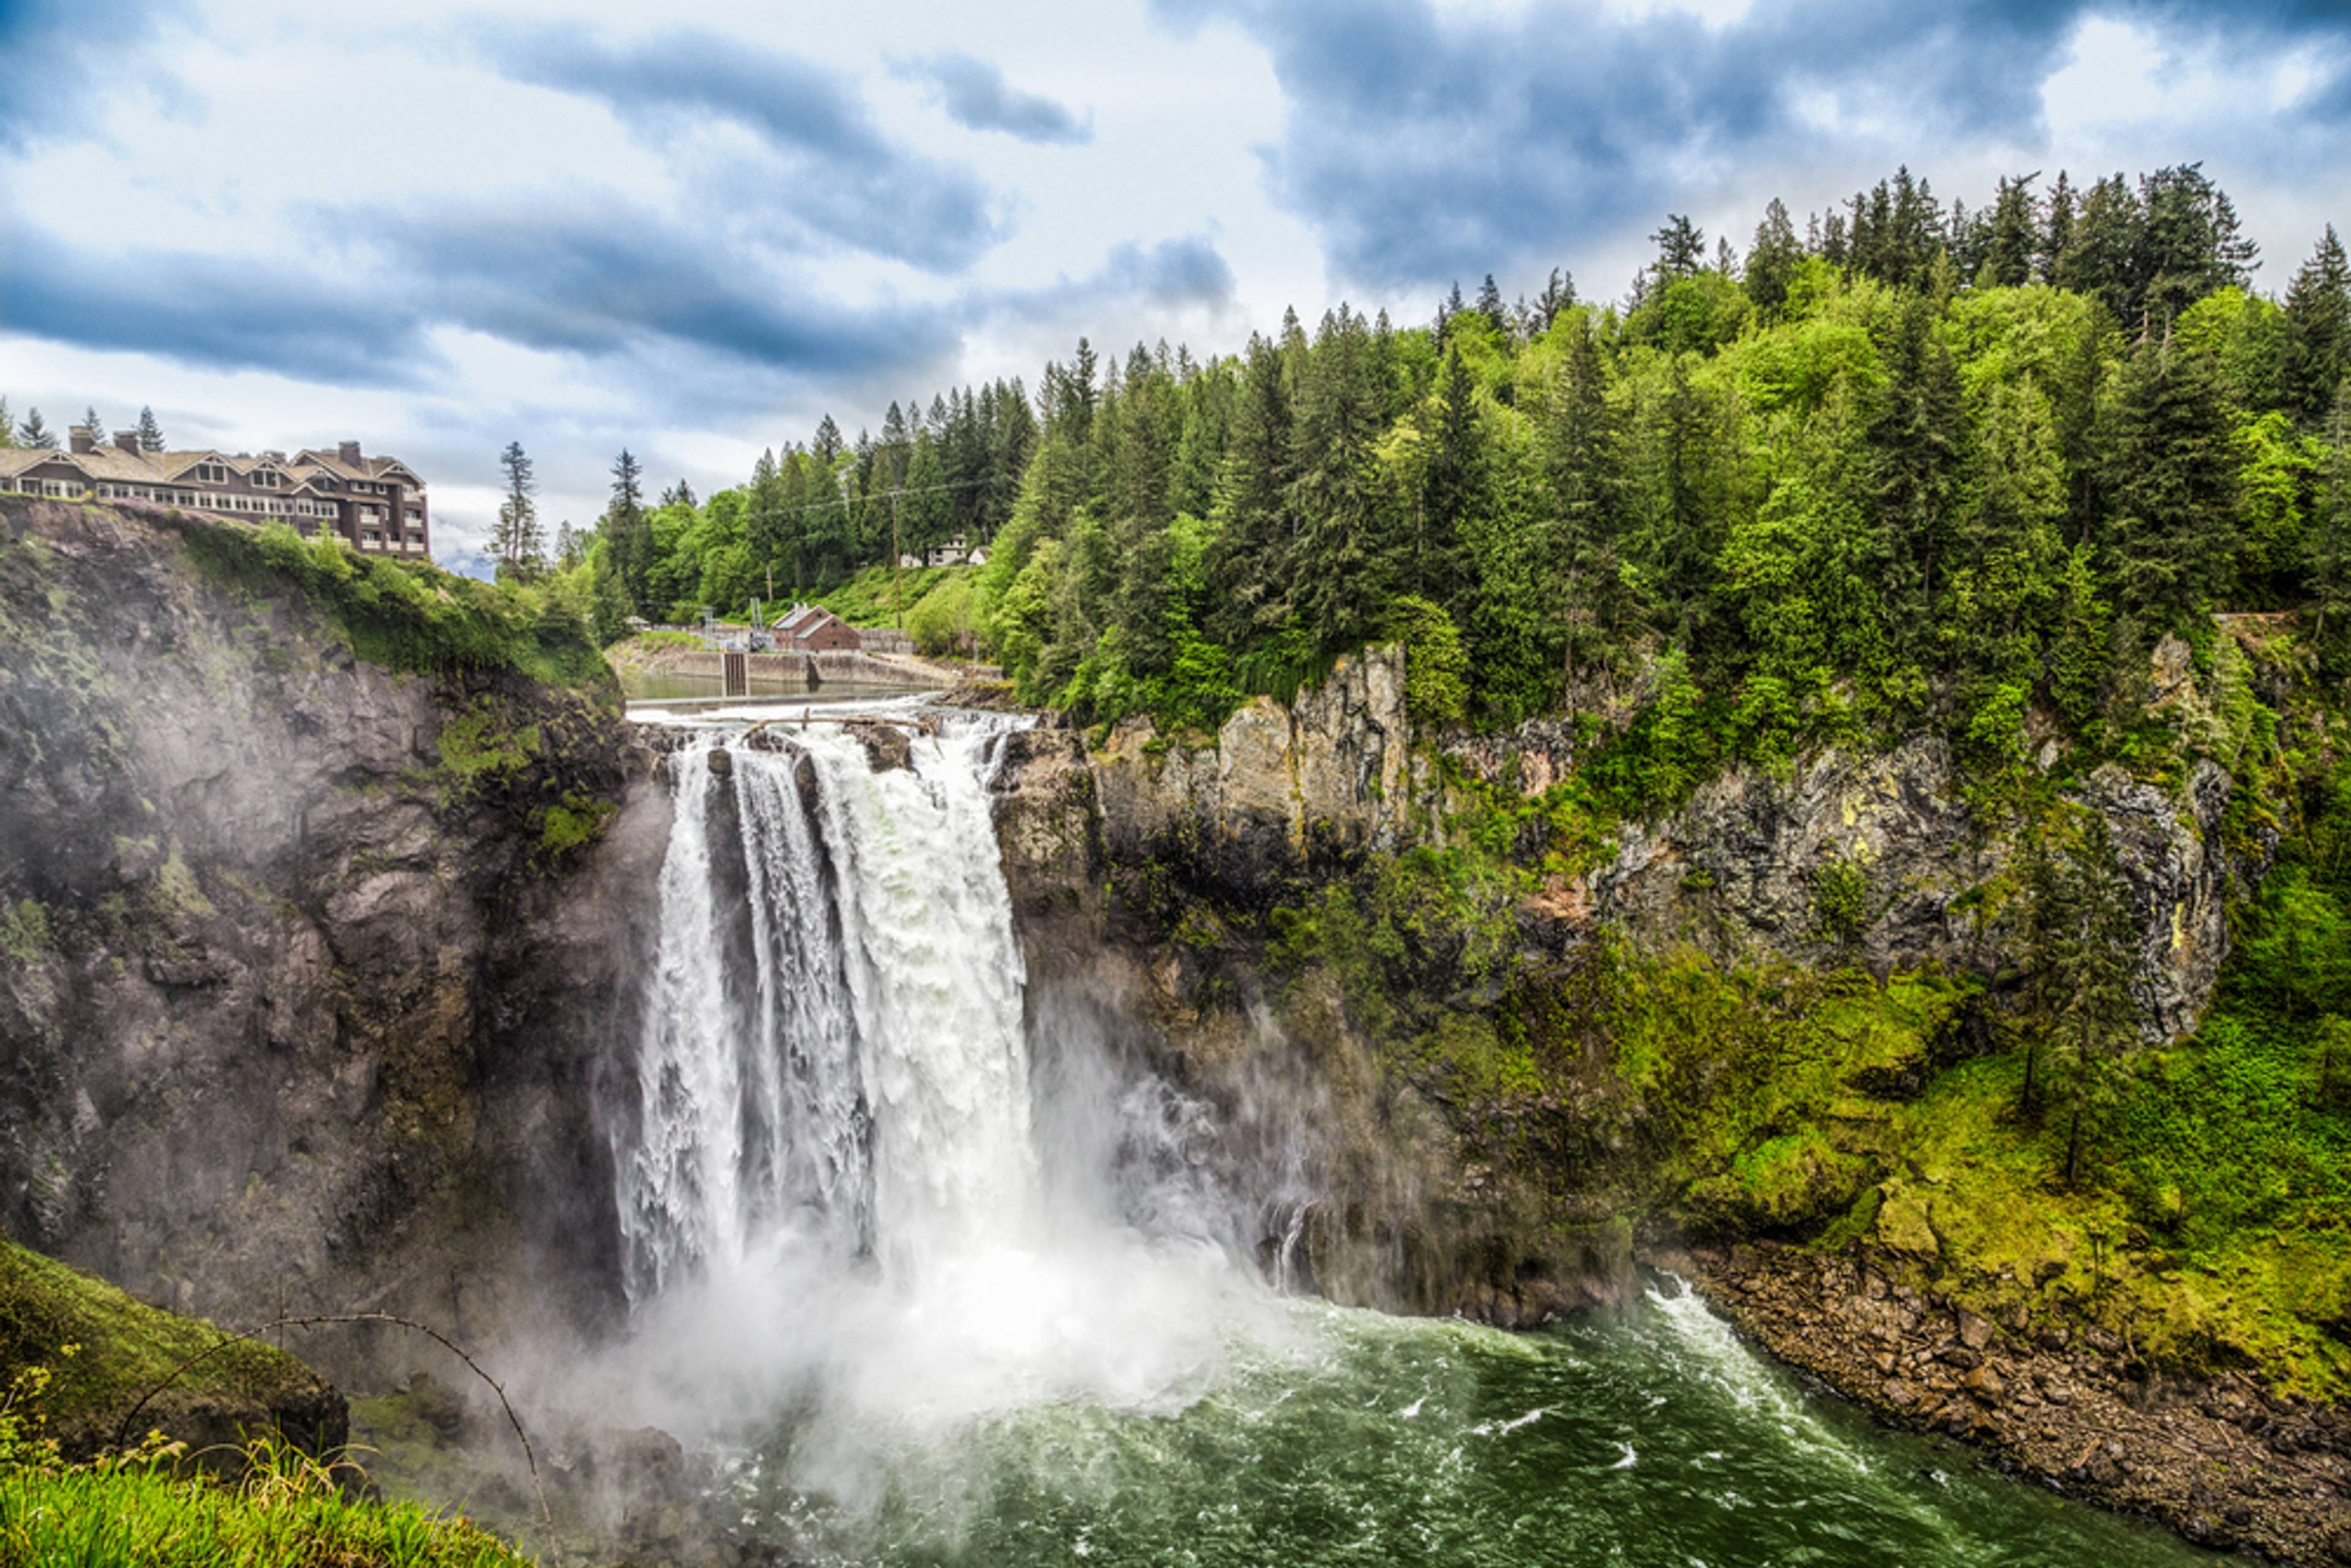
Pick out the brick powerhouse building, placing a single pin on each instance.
(376, 503)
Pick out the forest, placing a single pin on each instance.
(1914, 464)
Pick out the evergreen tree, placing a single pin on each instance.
(1489, 306)
(627, 537)
(2011, 235)
(2189, 242)
(1339, 595)
(1559, 293)
(2090, 943)
(1586, 591)
(1434, 570)
(34, 432)
(516, 538)
(2170, 486)
(1915, 445)
(569, 547)
(151, 434)
(2057, 236)
(1250, 571)
(1772, 259)
(827, 445)
(2315, 356)
(1681, 248)
(2327, 542)
(8, 427)
(92, 422)
(2100, 258)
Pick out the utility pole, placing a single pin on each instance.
(897, 563)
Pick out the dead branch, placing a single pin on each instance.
(122, 1433)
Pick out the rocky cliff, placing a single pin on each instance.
(1142, 865)
(308, 959)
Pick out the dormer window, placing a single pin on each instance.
(212, 473)
(265, 478)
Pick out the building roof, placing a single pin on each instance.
(804, 618)
(110, 461)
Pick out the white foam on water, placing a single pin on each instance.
(832, 1198)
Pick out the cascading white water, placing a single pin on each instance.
(833, 1055)
(832, 1195)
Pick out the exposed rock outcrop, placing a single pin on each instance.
(305, 994)
(2224, 1461)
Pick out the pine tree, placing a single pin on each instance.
(1559, 294)
(2100, 257)
(2171, 486)
(1914, 438)
(827, 445)
(1338, 588)
(2013, 233)
(2315, 356)
(2057, 236)
(1772, 259)
(34, 432)
(1434, 570)
(2092, 942)
(8, 427)
(151, 434)
(2327, 542)
(627, 535)
(515, 539)
(1681, 248)
(568, 546)
(89, 421)
(1587, 591)
(1250, 572)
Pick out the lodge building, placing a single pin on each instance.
(376, 503)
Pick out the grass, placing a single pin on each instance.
(408, 616)
(103, 1350)
(865, 599)
(286, 1510)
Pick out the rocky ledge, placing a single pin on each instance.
(2223, 1461)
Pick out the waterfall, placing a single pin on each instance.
(832, 1059)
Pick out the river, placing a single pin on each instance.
(923, 1289)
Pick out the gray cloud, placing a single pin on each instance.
(1423, 147)
(975, 94)
(53, 54)
(848, 183)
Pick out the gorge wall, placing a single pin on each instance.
(310, 962)
(1156, 878)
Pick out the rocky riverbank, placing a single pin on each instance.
(2221, 1460)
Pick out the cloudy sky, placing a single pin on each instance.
(441, 226)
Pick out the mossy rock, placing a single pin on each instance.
(1787, 1184)
(104, 1351)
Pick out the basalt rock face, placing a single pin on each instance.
(1140, 869)
(1370, 1191)
(1281, 789)
(303, 1002)
(1739, 871)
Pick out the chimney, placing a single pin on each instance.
(127, 440)
(351, 452)
(83, 438)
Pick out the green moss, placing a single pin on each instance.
(121, 1348)
(482, 745)
(577, 820)
(24, 934)
(176, 888)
